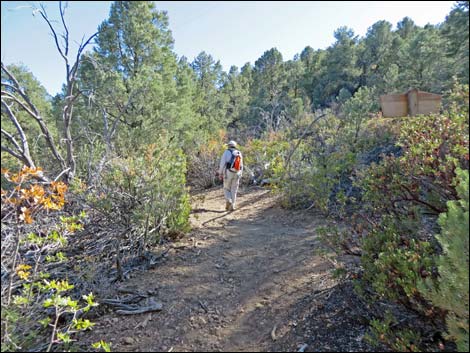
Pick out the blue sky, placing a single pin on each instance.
(234, 32)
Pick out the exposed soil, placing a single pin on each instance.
(247, 280)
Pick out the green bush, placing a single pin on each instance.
(320, 169)
(264, 159)
(433, 146)
(314, 180)
(321, 160)
(450, 290)
(401, 202)
(393, 261)
(146, 192)
(413, 186)
(381, 331)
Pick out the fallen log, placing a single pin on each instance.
(140, 310)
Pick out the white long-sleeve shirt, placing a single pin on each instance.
(226, 157)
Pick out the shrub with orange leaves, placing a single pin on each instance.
(32, 234)
(29, 197)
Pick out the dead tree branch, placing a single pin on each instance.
(71, 76)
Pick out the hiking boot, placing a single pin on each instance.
(232, 207)
(228, 205)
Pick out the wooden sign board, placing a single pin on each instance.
(394, 105)
(411, 103)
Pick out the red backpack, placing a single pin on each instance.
(235, 163)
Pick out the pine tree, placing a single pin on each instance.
(377, 54)
(341, 69)
(455, 30)
(210, 103)
(132, 70)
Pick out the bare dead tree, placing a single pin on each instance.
(12, 93)
(71, 64)
(22, 152)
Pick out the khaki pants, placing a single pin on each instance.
(231, 183)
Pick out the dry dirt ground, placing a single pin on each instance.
(248, 280)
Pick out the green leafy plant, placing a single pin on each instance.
(383, 332)
(31, 297)
(450, 289)
(106, 347)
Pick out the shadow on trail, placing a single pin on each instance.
(216, 218)
(202, 210)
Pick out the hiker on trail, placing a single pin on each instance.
(230, 171)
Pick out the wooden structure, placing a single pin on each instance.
(411, 103)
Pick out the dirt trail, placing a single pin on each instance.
(233, 284)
